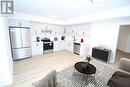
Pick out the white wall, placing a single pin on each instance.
(105, 34)
(124, 39)
(6, 63)
(79, 31)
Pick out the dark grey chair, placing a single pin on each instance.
(121, 78)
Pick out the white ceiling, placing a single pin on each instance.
(66, 9)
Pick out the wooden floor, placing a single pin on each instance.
(29, 70)
(121, 54)
(32, 69)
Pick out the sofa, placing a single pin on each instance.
(121, 78)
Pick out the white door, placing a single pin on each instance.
(15, 35)
(26, 37)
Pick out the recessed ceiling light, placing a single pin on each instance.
(54, 14)
(97, 1)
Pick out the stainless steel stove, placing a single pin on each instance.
(47, 46)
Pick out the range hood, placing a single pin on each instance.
(45, 31)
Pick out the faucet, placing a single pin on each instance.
(73, 37)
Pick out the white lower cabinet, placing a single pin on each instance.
(84, 50)
(55, 46)
(37, 48)
(68, 45)
(58, 45)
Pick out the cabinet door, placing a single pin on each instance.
(61, 30)
(62, 45)
(34, 31)
(37, 48)
(54, 31)
(58, 30)
(84, 50)
(100, 54)
(59, 45)
(56, 46)
(35, 28)
(69, 46)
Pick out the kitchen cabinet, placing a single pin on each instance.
(56, 47)
(58, 30)
(102, 54)
(37, 48)
(41, 29)
(46, 29)
(18, 23)
(84, 50)
(59, 45)
(68, 45)
(35, 31)
(36, 28)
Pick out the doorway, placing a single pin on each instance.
(123, 44)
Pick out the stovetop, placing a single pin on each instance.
(47, 41)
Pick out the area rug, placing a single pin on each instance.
(69, 77)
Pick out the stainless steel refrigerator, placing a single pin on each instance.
(20, 42)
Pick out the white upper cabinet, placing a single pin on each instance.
(79, 30)
(46, 29)
(58, 30)
(35, 28)
(41, 29)
(18, 23)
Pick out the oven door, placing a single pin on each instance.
(47, 46)
(76, 48)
